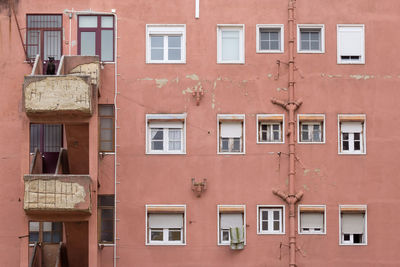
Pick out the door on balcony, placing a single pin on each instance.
(48, 138)
(43, 37)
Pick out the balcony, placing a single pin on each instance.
(58, 192)
(71, 91)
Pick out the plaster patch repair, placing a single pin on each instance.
(59, 93)
(193, 76)
(44, 194)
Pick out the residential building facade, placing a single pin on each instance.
(199, 133)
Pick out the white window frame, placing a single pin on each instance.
(362, 56)
(321, 28)
(182, 242)
(363, 135)
(363, 210)
(263, 118)
(311, 122)
(270, 208)
(220, 242)
(231, 27)
(166, 119)
(312, 232)
(279, 27)
(233, 117)
(166, 30)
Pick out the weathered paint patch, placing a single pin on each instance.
(306, 171)
(306, 187)
(387, 77)
(193, 76)
(269, 75)
(176, 80)
(161, 82)
(361, 76)
(145, 79)
(335, 76)
(281, 89)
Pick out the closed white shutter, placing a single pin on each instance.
(351, 127)
(230, 220)
(312, 220)
(165, 220)
(353, 223)
(231, 129)
(351, 41)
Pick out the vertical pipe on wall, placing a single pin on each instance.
(197, 9)
(291, 106)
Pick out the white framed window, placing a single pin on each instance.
(231, 218)
(270, 128)
(230, 43)
(270, 38)
(353, 224)
(166, 133)
(271, 219)
(231, 134)
(310, 38)
(165, 43)
(312, 219)
(165, 224)
(351, 137)
(350, 44)
(311, 128)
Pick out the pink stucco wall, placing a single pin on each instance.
(325, 177)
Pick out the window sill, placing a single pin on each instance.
(270, 233)
(165, 244)
(311, 143)
(263, 143)
(311, 52)
(352, 153)
(351, 63)
(231, 153)
(165, 153)
(269, 52)
(165, 62)
(231, 62)
(363, 244)
(106, 245)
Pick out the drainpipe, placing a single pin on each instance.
(116, 92)
(291, 106)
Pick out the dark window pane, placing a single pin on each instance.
(276, 226)
(356, 136)
(174, 235)
(106, 237)
(345, 136)
(106, 201)
(276, 215)
(357, 238)
(236, 144)
(56, 237)
(357, 145)
(107, 214)
(264, 215)
(345, 145)
(47, 237)
(225, 235)
(156, 235)
(346, 237)
(265, 226)
(33, 236)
